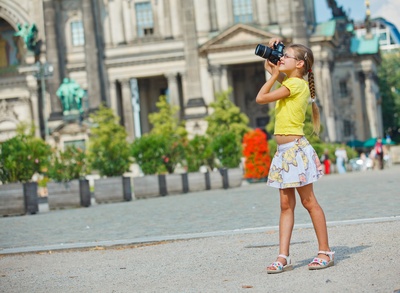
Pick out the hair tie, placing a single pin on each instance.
(309, 70)
(312, 100)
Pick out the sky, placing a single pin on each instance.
(388, 9)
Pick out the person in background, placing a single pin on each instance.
(326, 161)
(379, 152)
(341, 159)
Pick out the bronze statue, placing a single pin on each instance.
(71, 95)
(29, 35)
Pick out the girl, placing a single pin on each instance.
(295, 165)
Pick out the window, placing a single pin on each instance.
(347, 128)
(78, 36)
(343, 89)
(144, 18)
(242, 11)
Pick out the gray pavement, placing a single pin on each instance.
(212, 241)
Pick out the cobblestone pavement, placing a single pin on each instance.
(218, 241)
(249, 208)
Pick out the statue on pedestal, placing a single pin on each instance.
(71, 95)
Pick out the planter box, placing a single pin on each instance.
(146, 186)
(112, 189)
(196, 181)
(63, 195)
(72, 194)
(214, 180)
(12, 199)
(235, 177)
(18, 199)
(174, 183)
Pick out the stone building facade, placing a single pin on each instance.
(126, 53)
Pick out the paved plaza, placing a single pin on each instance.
(211, 241)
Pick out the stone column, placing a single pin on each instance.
(213, 15)
(52, 53)
(173, 90)
(323, 84)
(127, 109)
(167, 20)
(216, 72)
(91, 56)
(113, 96)
(117, 29)
(299, 23)
(370, 100)
(126, 13)
(192, 66)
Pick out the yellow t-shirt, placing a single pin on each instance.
(290, 112)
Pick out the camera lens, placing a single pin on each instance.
(262, 51)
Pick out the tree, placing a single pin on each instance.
(23, 155)
(109, 150)
(226, 117)
(389, 85)
(163, 148)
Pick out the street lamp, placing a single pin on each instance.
(44, 71)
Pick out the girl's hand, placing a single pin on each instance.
(273, 69)
(273, 41)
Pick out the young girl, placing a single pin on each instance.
(295, 165)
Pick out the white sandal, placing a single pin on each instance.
(279, 267)
(322, 263)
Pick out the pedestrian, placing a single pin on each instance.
(379, 152)
(326, 161)
(295, 165)
(341, 159)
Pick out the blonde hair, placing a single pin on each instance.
(304, 53)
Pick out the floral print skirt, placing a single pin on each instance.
(295, 164)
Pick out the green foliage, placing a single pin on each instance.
(156, 153)
(308, 126)
(163, 148)
(199, 153)
(165, 121)
(22, 156)
(68, 165)
(389, 86)
(227, 149)
(109, 151)
(226, 117)
(148, 152)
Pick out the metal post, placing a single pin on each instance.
(44, 70)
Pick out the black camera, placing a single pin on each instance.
(272, 55)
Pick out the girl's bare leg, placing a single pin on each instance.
(286, 222)
(317, 217)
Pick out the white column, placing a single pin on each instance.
(370, 100)
(216, 72)
(35, 112)
(117, 28)
(167, 26)
(106, 24)
(126, 13)
(113, 96)
(323, 81)
(127, 109)
(173, 90)
(176, 25)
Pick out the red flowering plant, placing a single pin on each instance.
(256, 153)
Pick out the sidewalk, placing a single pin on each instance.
(214, 241)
